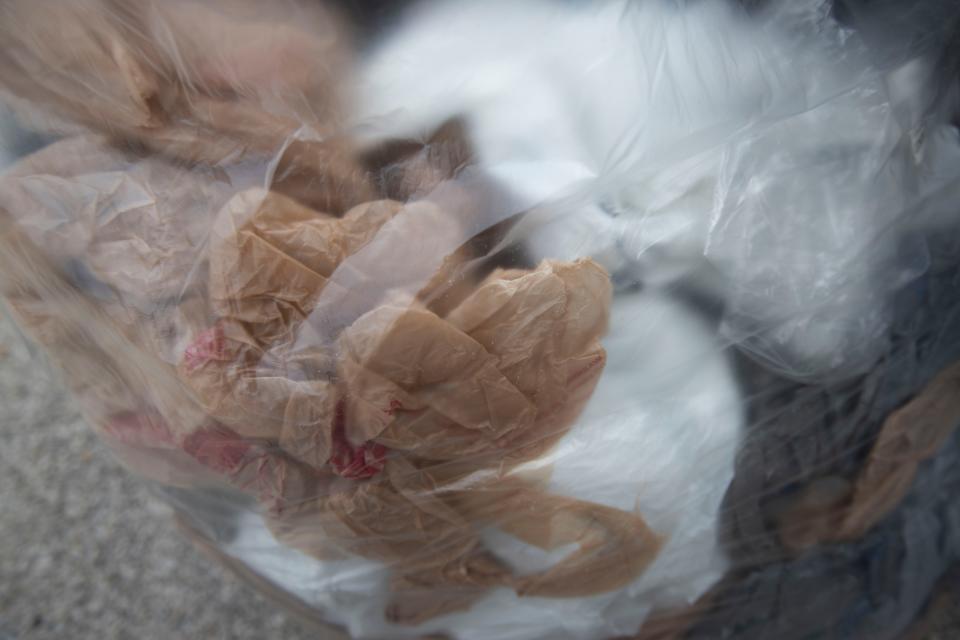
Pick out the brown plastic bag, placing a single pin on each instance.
(196, 81)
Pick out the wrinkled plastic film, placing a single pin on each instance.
(514, 320)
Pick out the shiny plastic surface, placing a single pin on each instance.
(510, 320)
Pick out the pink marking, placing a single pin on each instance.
(209, 345)
(218, 449)
(355, 462)
(395, 406)
(139, 430)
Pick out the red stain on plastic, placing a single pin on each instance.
(218, 449)
(354, 462)
(209, 345)
(395, 406)
(250, 466)
(140, 430)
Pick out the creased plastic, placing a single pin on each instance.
(515, 320)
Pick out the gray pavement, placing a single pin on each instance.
(86, 552)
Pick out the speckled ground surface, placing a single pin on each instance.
(85, 551)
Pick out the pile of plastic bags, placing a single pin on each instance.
(509, 320)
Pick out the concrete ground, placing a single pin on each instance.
(85, 551)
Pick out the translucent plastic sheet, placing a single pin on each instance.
(510, 320)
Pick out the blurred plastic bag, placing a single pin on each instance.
(764, 159)
(510, 320)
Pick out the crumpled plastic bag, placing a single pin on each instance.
(195, 80)
(127, 225)
(765, 160)
(620, 453)
(832, 509)
(514, 320)
(515, 361)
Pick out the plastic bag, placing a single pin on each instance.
(509, 320)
